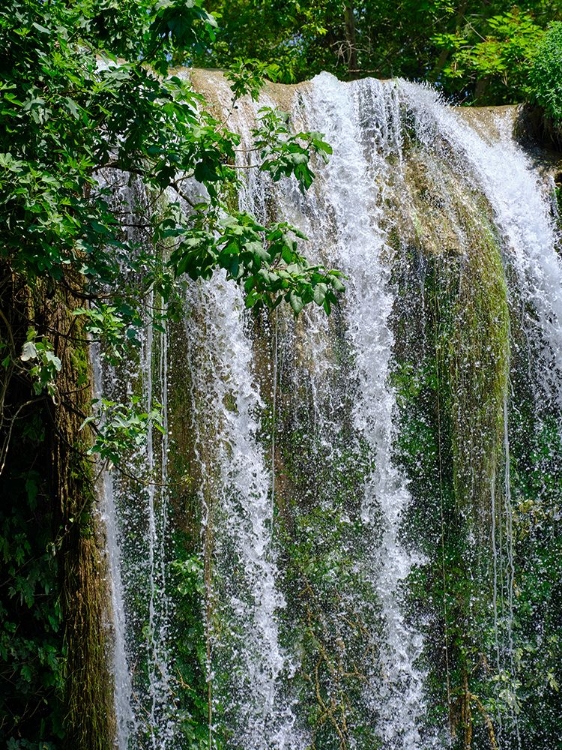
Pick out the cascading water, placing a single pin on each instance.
(342, 222)
(528, 237)
(505, 174)
(138, 529)
(361, 154)
(122, 677)
(135, 508)
(241, 589)
(344, 490)
(356, 244)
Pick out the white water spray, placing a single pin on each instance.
(236, 482)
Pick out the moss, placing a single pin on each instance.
(536, 495)
(447, 229)
(89, 720)
(452, 330)
(331, 624)
(475, 356)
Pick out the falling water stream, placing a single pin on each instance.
(293, 431)
(236, 495)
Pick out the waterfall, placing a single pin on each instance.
(525, 224)
(327, 544)
(123, 690)
(235, 491)
(505, 173)
(362, 123)
(136, 515)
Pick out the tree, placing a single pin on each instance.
(87, 93)
(545, 75)
(470, 50)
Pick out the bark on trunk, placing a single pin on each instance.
(89, 700)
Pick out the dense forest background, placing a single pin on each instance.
(85, 89)
(475, 52)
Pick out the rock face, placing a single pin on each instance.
(347, 535)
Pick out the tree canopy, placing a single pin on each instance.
(472, 51)
(72, 110)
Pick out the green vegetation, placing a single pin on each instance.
(88, 103)
(472, 51)
(91, 104)
(332, 621)
(452, 333)
(483, 494)
(31, 633)
(545, 82)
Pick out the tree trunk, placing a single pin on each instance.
(351, 39)
(89, 705)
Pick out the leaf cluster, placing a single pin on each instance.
(121, 428)
(545, 74)
(71, 118)
(498, 54)
(31, 632)
(44, 364)
(87, 109)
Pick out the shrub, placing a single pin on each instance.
(545, 76)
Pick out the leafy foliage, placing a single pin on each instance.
(470, 50)
(122, 428)
(247, 76)
(500, 61)
(545, 75)
(31, 631)
(283, 153)
(489, 612)
(78, 119)
(89, 107)
(45, 365)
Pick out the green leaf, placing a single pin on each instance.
(29, 351)
(40, 28)
(320, 293)
(296, 302)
